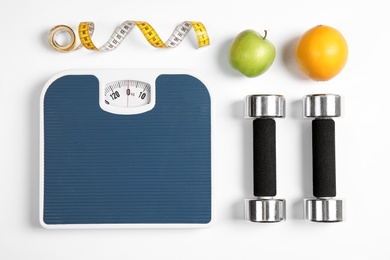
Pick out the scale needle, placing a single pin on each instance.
(128, 93)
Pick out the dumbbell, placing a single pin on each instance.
(323, 207)
(264, 208)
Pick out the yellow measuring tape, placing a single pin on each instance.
(86, 29)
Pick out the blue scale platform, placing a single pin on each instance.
(105, 168)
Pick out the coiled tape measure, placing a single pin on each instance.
(86, 29)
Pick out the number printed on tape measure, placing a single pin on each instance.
(86, 29)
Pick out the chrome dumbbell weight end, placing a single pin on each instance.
(264, 208)
(325, 210)
(323, 207)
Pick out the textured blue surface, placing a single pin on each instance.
(104, 168)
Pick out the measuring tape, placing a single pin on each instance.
(86, 29)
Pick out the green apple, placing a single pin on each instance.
(251, 53)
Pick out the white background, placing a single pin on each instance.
(363, 142)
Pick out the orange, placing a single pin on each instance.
(321, 53)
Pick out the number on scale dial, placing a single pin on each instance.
(127, 93)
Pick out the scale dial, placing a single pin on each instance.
(127, 93)
(128, 96)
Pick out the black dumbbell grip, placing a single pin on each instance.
(324, 158)
(264, 157)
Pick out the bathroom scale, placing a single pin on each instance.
(125, 148)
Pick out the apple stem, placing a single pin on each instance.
(265, 34)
